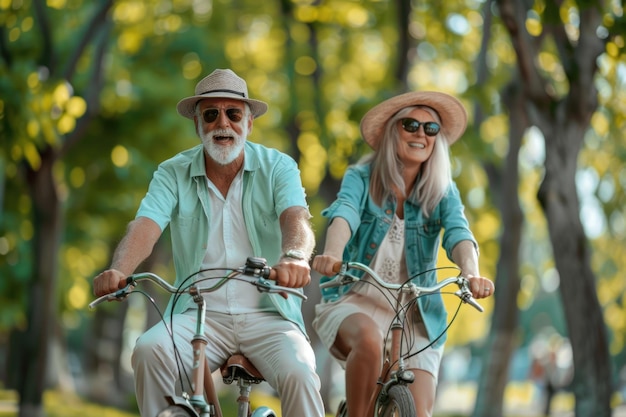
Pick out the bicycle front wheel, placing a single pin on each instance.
(342, 410)
(398, 402)
(263, 412)
(177, 411)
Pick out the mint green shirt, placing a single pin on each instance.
(178, 196)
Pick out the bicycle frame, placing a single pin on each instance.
(394, 372)
(203, 400)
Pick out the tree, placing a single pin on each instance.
(562, 111)
(55, 122)
(63, 82)
(321, 65)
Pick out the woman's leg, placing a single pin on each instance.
(360, 341)
(423, 389)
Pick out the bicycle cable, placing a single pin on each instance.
(409, 339)
(183, 287)
(181, 290)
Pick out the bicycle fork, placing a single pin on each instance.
(202, 382)
(398, 370)
(394, 365)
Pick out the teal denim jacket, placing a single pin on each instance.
(369, 224)
(178, 196)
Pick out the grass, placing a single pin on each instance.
(62, 404)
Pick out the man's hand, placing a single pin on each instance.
(108, 281)
(292, 273)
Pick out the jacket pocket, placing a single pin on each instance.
(426, 240)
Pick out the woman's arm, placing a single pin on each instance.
(465, 256)
(337, 236)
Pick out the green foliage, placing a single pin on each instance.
(320, 66)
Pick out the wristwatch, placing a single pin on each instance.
(296, 254)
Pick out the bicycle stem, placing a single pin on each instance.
(201, 373)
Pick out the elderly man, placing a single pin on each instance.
(225, 200)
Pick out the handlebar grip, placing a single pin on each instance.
(337, 267)
(271, 274)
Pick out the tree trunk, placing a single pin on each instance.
(585, 323)
(502, 339)
(29, 347)
(563, 122)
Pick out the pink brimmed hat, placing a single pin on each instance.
(221, 83)
(450, 110)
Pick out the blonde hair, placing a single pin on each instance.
(433, 179)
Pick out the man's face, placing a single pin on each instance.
(223, 125)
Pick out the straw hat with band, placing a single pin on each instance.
(221, 83)
(450, 110)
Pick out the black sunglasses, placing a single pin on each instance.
(412, 125)
(210, 115)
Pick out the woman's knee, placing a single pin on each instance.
(361, 334)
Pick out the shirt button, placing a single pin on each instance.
(388, 211)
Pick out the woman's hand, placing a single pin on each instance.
(481, 287)
(324, 264)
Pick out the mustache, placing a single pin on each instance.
(221, 132)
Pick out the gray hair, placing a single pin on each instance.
(435, 173)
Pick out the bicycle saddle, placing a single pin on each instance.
(238, 366)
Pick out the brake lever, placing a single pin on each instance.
(466, 296)
(264, 285)
(339, 280)
(117, 295)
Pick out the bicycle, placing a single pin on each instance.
(203, 400)
(393, 396)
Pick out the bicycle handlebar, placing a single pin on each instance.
(255, 272)
(343, 277)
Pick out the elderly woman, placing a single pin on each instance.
(388, 214)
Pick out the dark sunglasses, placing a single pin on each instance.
(412, 125)
(210, 115)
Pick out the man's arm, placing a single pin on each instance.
(297, 236)
(141, 236)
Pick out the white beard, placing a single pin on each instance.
(223, 154)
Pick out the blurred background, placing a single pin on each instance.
(88, 90)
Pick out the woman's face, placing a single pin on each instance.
(414, 148)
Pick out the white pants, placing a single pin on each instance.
(276, 347)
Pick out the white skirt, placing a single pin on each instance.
(368, 300)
